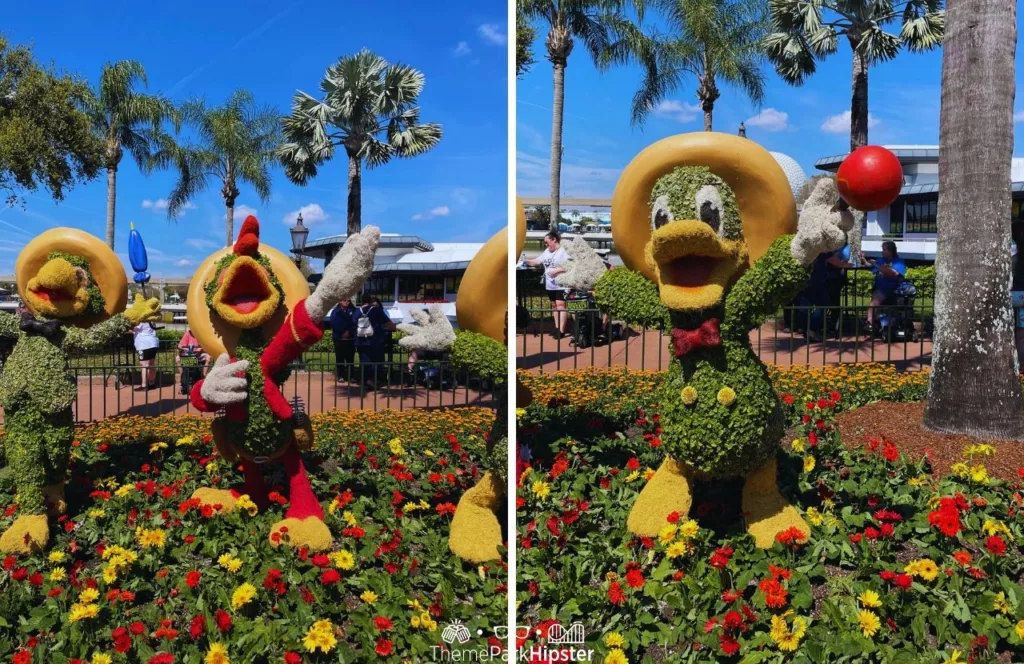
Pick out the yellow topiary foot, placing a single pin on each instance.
(54, 496)
(767, 512)
(476, 533)
(28, 534)
(670, 490)
(222, 497)
(310, 532)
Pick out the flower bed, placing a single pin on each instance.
(898, 568)
(138, 573)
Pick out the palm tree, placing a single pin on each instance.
(237, 143)
(808, 30)
(124, 119)
(711, 40)
(369, 108)
(974, 388)
(606, 34)
(525, 34)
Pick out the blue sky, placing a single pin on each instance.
(457, 192)
(804, 122)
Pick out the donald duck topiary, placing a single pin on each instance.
(250, 307)
(75, 291)
(704, 224)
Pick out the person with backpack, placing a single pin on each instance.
(343, 333)
(373, 328)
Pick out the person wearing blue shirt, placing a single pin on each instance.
(371, 343)
(890, 270)
(343, 332)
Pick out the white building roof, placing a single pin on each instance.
(444, 252)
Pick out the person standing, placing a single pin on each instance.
(147, 344)
(373, 328)
(343, 330)
(552, 258)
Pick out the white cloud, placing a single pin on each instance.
(1018, 116)
(462, 49)
(770, 119)
(840, 123)
(439, 211)
(493, 34)
(162, 204)
(201, 243)
(311, 214)
(677, 110)
(241, 212)
(578, 180)
(184, 262)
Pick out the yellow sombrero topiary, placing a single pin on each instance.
(520, 227)
(763, 195)
(215, 335)
(107, 272)
(483, 294)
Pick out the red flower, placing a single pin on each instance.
(635, 578)
(197, 627)
(383, 648)
(292, 658)
(855, 538)
(615, 594)
(330, 577)
(779, 572)
(678, 575)
(54, 592)
(729, 645)
(161, 658)
(223, 620)
(22, 657)
(995, 545)
(775, 596)
(445, 508)
(633, 464)
(730, 596)
(732, 620)
(192, 578)
(890, 452)
(20, 574)
(792, 536)
(122, 642)
(962, 557)
(36, 579)
(382, 623)
(720, 558)
(137, 628)
(321, 560)
(903, 581)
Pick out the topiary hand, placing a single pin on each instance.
(143, 310)
(432, 332)
(222, 385)
(823, 224)
(345, 274)
(583, 268)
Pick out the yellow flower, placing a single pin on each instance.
(614, 640)
(58, 574)
(186, 440)
(979, 474)
(243, 595)
(689, 395)
(960, 469)
(100, 658)
(368, 596)
(124, 490)
(1019, 629)
(798, 445)
(217, 654)
(320, 637)
(869, 623)
(996, 528)
(785, 638)
(89, 595)
(414, 604)
(1000, 604)
(395, 445)
(633, 476)
(343, 560)
(83, 611)
(689, 529)
(520, 412)
(244, 502)
(955, 657)
(56, 556)
(415, 622)
(667, 534)
(809, 463)
(923, 568)
(109, 574)
(920, 480)
(979, 450)
(726, 396)
(648, 474)
(813, 515)
(229, 562)
(870, 599)
(428, 453)
(541, 489)
(676, 549)
(211, 468)
(615, 656)
(150, 539)
(349, 518)
(97, 513)
(157, 446)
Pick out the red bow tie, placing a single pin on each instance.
(705, 336)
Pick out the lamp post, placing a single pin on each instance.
(299, 235)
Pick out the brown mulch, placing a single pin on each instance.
(901, 424)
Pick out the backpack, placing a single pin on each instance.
(364, 329)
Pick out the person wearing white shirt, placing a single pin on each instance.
(147, 344)
(552, 258)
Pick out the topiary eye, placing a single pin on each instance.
(660, 214)
(708, 203)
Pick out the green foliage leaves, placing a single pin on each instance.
(629, 296)
(45, 134)
(681, 186)
(480, 355)
(774, 279)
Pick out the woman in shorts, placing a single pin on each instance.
(147, 345)
(552, 258)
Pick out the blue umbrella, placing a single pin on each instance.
(137, 256)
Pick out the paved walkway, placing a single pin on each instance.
(539, 352)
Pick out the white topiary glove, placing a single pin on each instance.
(583, 268)
(822, 226)
(222, 386)
(431, 333)
(345, 274)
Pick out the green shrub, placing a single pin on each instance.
(628, 295)
(481, 355)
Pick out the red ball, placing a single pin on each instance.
(870, 178)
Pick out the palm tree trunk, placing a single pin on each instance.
(707, 119)
(229, 224)
(111, 200)
(355, 194)
(556, 142)
(859, 103)
(974, 387)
